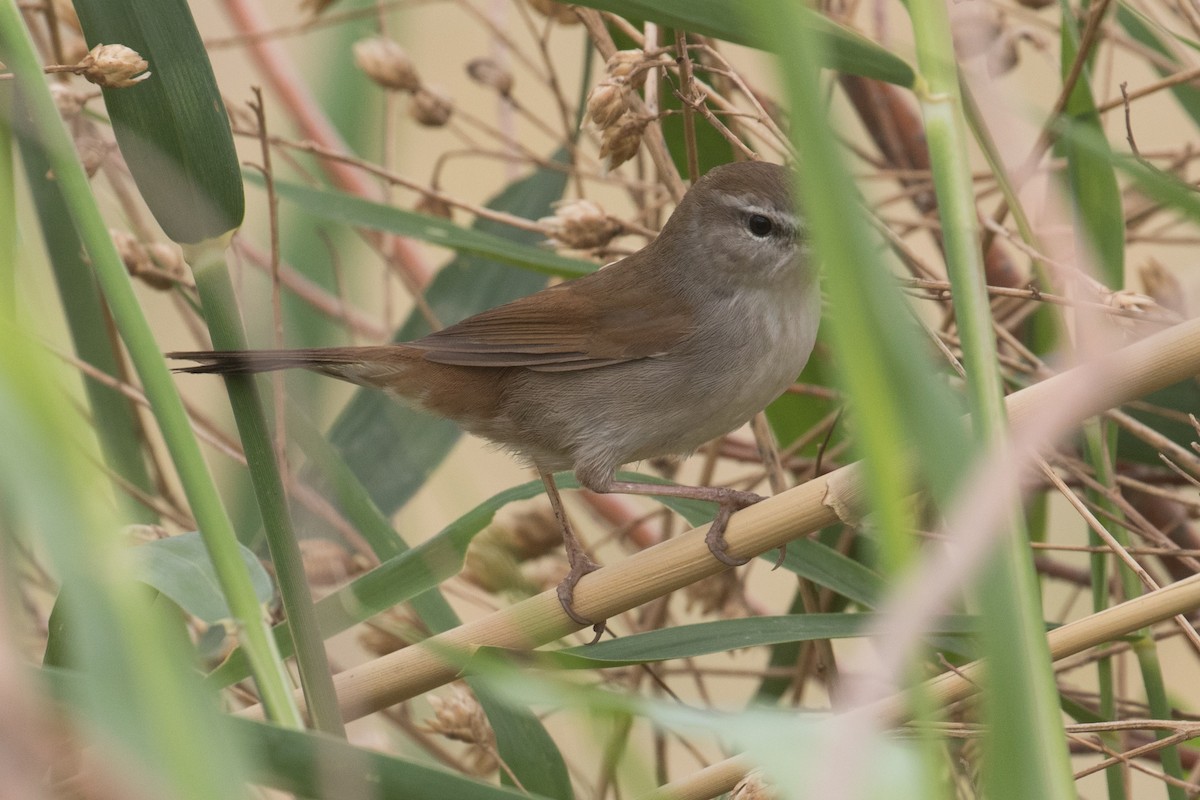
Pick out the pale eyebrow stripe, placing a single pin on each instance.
(744, 203)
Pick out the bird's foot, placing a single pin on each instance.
(581, 564)
(728, 501)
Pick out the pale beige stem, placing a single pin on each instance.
(951, 687)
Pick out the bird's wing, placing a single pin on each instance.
(574, 326)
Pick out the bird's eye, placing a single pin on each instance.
(759, 226)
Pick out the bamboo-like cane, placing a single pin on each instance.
(1124, 375)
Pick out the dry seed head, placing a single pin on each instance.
(460, 717)
(487, 72)
(159, 266)
(68, 101)
(433, 206)
(327, 562)
(716, 594)
(133, 254)
(379, 642)
(392, 630)
(491, 566)
(1125, 300)
(168, 260)
(546, 572)
(580, 224)
(1162, 284)
(622, 63)
(532, 533)
(385, 62)
(93, 151)
(430, 107)
(620, 142)
(555, 11)
(113, 66)
(607, 101)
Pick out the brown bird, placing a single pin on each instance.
(679, 343)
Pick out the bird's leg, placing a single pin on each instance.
(581, 563)
(727, 500)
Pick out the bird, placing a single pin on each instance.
(653, 355)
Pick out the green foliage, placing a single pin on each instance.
(122, 666)
(172, 130)
(180, 568)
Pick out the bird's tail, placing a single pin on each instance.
(355, 364)
(244, 362)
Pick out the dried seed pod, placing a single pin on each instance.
(555, 11)
(620, 142)
(379, 642)
(716, 594)
(159, 266)
(487, 72)
(606, 102)
(133, 254)
(385, 62)
(393, 630)
(433, 206)
(113, 66)
(327, 562)
(430, 107)
(580, 224)
(1125, 300)
(545, 573)
(68, 101)
(93, 150)
(531, 533)
(173, 133)
(491, 566)
(1162, 284)
(460, 717)
(168, 260)
(622, 63)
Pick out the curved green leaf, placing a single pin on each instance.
(172, 127)
(311, 765)
(179, 567)
(1090, 176)
(845, 50)
(691, 641)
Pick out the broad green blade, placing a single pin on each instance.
(172, 127)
